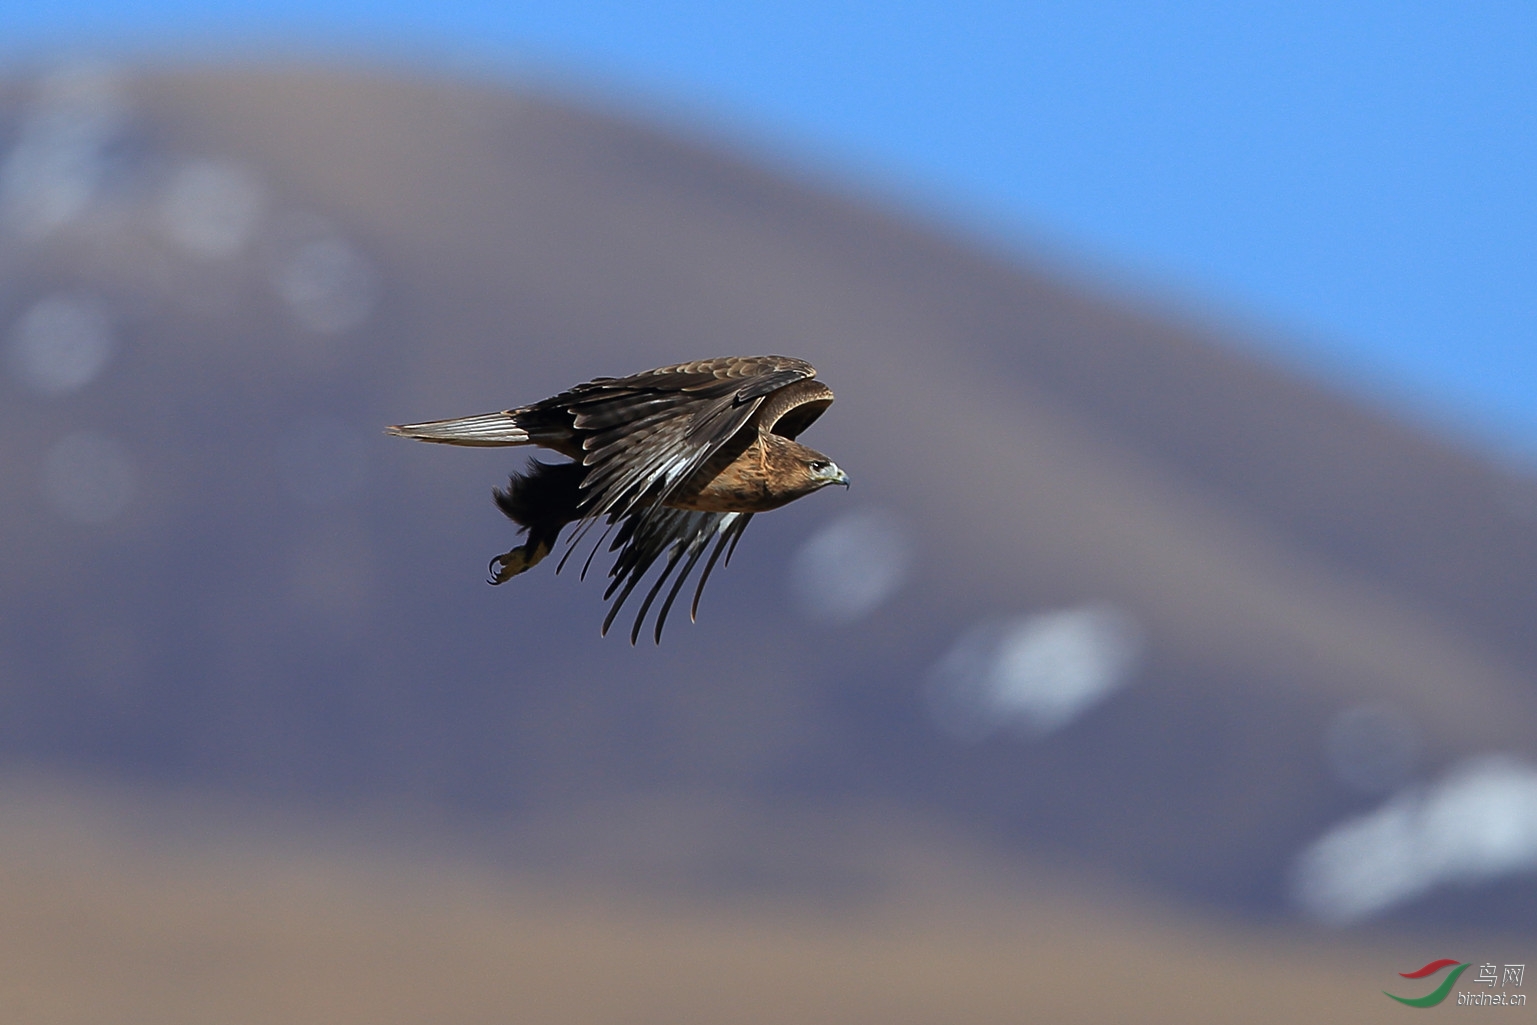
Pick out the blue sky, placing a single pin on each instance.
(1355, 183)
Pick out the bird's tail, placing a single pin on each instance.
(486, 429)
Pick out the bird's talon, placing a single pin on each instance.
(506, 566)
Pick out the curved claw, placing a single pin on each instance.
(509, 564)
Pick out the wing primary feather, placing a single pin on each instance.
(734, 539)
(587, 563)
(695, 551)
(632, 564)
(732, 531)
(576, 539)
(632, 555)
(677, 553)
(571, 548)
(709, 567)
(613, 610)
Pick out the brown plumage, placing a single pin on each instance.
(674, 458)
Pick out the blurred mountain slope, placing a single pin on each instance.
(289, 603)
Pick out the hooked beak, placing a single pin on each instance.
(832, 474)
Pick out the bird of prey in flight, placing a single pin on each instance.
(669, 460)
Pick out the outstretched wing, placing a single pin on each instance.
(683, 535)
(644, 435)
(622, 418)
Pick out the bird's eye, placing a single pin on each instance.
(820, 464)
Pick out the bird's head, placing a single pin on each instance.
(798, 470)
(824, 471)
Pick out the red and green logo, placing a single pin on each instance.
(1438, 994)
